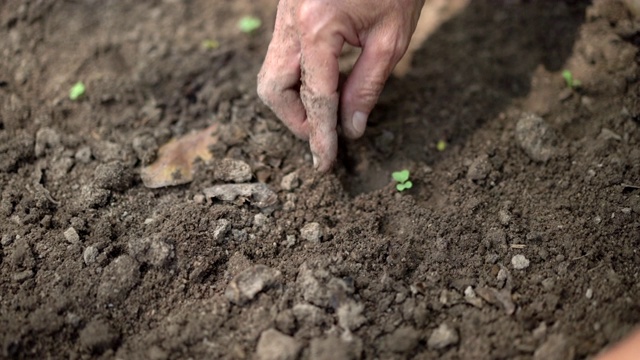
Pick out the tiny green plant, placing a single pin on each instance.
(441, 145)
(402, 179)
(210, 44)
(77, 90)
(572, 82)
(249, 24)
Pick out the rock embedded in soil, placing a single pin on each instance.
(112, 176)
(83, 155)
(350, 315)
(442, 337)
(118, 279)
(479, 168)
(290, 181)
(311, 232)
(231, 170)
(536, 137)
(150, 250)
(72, 236)
(221, 230)
(274, 345)
(247, 284)
(98, 337)
(90, 254)
(258, 194)
(403, 340)
(519, 262)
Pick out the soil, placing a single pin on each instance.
(519, 240)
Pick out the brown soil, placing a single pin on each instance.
(145, 273)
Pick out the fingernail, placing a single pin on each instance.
(315, 160)
(359, 122)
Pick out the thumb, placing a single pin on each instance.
(366, 81)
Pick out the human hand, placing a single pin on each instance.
(299, 79)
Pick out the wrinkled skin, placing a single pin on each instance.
(299, 79)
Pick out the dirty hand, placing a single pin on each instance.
(299, 77)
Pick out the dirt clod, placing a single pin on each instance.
(536, 137)
(247, 284)
(442, 337)
(274, 345)
(98, 336)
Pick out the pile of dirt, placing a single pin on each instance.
(518, 240)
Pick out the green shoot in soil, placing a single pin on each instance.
(402, 179)
(249, 24)
(76, 91)
(572, 83)
(210, 44)
(441, 145)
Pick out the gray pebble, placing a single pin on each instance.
(589, 293)
(290, 181)
(246, 285)
(260, 220)
(274, 345)
(308, 315)
(112, 176)
(72, 235)
(83, 155)
(443, 337)
(230, 170)
(479, 168)
(150, 250)
(222, 228)
(98, 336)
(311, 232)
(504, 216)
(536, 137)
(90, 254)
(519, 262)
(21, 276)
(118, 279)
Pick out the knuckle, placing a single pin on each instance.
(313, 18)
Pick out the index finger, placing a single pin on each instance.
(320, 49)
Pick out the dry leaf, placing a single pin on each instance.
(174, 165)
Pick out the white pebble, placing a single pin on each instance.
(519, 262)
(72, 235)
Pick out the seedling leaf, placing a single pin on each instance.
(77, 90)
(572, 83)
(174, 165)
(404, 186)
(400, 176)
(210, 44)
(249, 24)
(441, 145)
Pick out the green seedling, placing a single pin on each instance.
(76, 91)
(441, 145)
(210, 44)
(249, 24)
(572, 83)
(402, 179)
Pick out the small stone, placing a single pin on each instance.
(247, 284)
(258, 194)
(274, 345)
(536, 137)
(83, 155)
(479, 168)
(90, 254)
(403, 340)
(308, 315)
(72, 236)
(519, 262)
(118, 279)
(589, 293)
(198, 198)
(311, 232)
(150, 250)
(98, 337)
(290, 181)
(504, 216)
(555, 348)
(222, 229)
(290, 241)
(21, 276)
(443, 337)
(607, 134)
(112, 176)
(350, 315)
(626, 210)
(260, 220)
(449, 297)
(230, 170)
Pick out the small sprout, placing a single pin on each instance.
(210, 44)
(441, 145)
(402, 179)
(249, 24)
(572, 83)
(76, 91)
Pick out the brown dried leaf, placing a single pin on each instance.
(174, 165)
